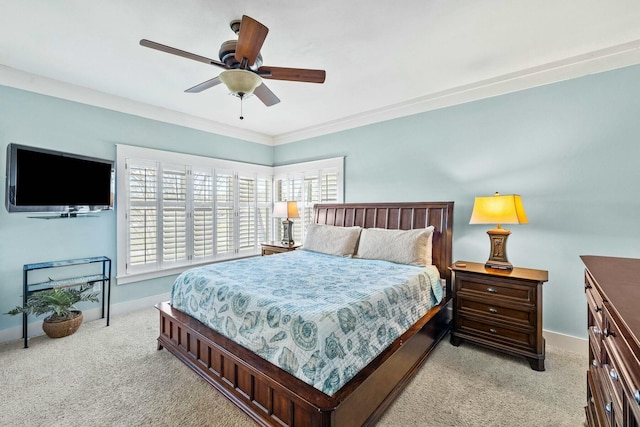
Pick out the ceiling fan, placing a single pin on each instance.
(242, 63)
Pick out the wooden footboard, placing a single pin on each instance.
(273, 397)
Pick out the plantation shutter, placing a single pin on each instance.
(142, 229)
(174, 214)
(224, 220)
(308, 187)
(203, 218)
(175, 210)
(264, 210)
(246, 214)
(329, 187)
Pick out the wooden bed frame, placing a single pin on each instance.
(273, 397)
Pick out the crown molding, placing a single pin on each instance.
(43, 85)
(597, 61)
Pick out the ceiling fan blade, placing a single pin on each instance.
(265, 95)
(250, 40)
(184, 54)
(292, 74)
(204, 85)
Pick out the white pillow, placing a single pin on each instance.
(331, 240)
(399, 246)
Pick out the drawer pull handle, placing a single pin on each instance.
(596, 330)
(613, 375)
(594, 362)
(636, 396)
(598, 309)
(608, 333)
(493, 331)
(492, 310)
(587, 286)
(607, 407)
(492, 290)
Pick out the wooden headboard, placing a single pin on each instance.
(398, 216)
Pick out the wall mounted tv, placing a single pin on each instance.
(42, 180)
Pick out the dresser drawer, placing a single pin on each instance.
(500, 334)
(493, 310)
(596, 413)
(594, 299)
(623, 364)
(495, 289)
(595, 342)
(610, 374)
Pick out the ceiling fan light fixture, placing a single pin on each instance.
(240, 83)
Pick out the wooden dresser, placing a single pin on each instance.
(499, 309)
(612, 288)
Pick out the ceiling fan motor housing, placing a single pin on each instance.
(227, 55)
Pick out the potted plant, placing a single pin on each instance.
(59, 303)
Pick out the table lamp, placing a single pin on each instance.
(286, 210)
(498, 209)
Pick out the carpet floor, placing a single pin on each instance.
(114, 376)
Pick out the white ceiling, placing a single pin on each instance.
(383, 59)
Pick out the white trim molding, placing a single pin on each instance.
(598, 61)
(35, 328)
(610, 58)
(566, 342)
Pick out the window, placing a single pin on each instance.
(176, 210)
(308, 183)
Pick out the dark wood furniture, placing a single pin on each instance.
(612, 288)
(499, 309)
(270, 248)
(273, 397)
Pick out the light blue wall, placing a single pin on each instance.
(571, 149)
(31, 119)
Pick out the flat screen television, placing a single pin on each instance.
(42, 180)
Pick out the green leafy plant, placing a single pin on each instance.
(59, 302)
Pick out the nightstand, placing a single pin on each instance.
(270, 248)
(499, 309)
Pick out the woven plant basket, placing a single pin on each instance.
(62, 328)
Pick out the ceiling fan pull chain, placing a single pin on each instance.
(241, 98)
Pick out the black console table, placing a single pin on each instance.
(77, 272)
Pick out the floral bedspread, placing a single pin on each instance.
(320, 317)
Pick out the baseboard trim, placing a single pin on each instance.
(35, 328)
(566, 342)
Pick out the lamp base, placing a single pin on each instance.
(287, 238)
(498, 259)
(498, 265)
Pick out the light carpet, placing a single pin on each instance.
(114, 376)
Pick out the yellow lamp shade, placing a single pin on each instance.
(498, 209)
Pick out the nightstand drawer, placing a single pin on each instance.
(495, 289)
(492, 310)
(510, 337)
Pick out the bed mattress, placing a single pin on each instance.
(322, 318)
